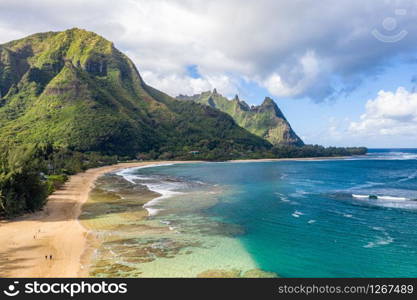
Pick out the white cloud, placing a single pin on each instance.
(181, 84)
(389, 114)
(8, 34)
(293, 48)
(303, 75)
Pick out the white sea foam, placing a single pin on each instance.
(385, 239)
(409, 177)
(311, 221)
(167, 189)
(282, 197)
(348, 214)
(379, 242)
(360, 196)
(386, 201)
(391, 198)
(385, 156)
(297, 214)
(392, 156)
(388, 198)
(152, 211)
(299, 194)
(314, 181)
(403, 156)
(378, 228)
(129, 176)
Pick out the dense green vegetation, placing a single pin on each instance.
(283, 151)
(30, 172)
(70, 101)
(21, 188)
(266, 120)
(316, 151)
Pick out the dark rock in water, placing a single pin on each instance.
(374, 197)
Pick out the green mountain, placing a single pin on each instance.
(70, 101)
(265, 120)
(75, 90)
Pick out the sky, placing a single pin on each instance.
(343, 72)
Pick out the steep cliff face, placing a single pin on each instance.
(266, 120)
(76, 90)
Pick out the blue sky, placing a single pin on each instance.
(342, 72)
(314, 121)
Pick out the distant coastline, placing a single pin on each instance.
(29, 238)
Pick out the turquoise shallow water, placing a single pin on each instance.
(293, 218)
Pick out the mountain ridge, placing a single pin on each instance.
(265, 120)
(76, 90)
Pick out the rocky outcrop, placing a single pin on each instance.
(265, 120)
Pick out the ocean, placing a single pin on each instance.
(353, 217)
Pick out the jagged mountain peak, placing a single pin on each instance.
(268, 101)
(265, 120)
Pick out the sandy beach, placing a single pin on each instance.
(30, 241)
(52, 242)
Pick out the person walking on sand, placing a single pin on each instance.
(50, 257)
(46, 256)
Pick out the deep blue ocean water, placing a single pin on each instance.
(315, 218)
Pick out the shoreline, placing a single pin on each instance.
(31, 237)
(292, 159)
